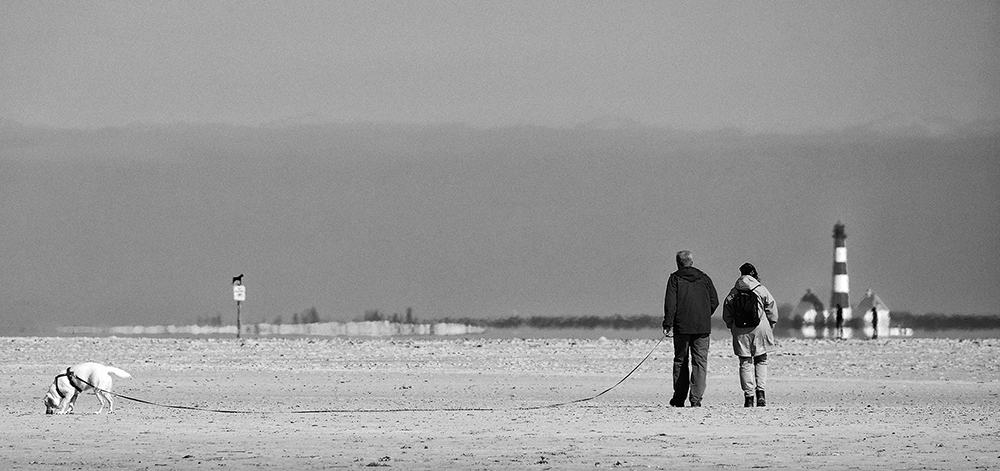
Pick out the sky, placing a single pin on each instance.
(756, 66)
(489, 158)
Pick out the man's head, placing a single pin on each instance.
(748, 269)
(684, 259)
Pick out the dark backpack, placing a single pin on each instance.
(744, 306)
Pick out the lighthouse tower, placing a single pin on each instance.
(841, 286)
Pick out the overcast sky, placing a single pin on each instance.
(760, 66)
(489, 218)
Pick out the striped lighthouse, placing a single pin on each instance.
(841, 285)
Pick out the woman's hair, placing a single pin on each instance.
(748, 269)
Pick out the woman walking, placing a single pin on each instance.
(749, 313)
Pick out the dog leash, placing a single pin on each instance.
(488, 409)
(358, 411)
(595, 396)
(222, 411)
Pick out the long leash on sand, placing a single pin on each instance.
(354, 411)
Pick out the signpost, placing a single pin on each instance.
(240, 295)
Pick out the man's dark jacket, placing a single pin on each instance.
(690, 301)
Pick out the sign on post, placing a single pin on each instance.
(239, 294)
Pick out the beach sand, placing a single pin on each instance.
(465, 403)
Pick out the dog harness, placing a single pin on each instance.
(69, 375)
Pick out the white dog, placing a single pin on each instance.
(81, 378)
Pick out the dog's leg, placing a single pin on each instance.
(66, 406)
(101, 399)
(110, 400)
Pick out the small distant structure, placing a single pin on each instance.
(839, 294)
(869, 302)
(810, 309)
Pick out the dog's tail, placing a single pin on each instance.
(118, 372)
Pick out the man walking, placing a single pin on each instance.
(874, 322)
(688, 306)
(840, 322)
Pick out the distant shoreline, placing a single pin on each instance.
(479, 332)
(320, 329)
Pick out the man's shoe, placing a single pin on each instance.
(695, 404)
(760, 399)
(748, 401)
(675, 403)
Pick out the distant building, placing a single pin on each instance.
(871, 300)
(810, 310)
(840, 292)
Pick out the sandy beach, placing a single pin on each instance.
(469, 403)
